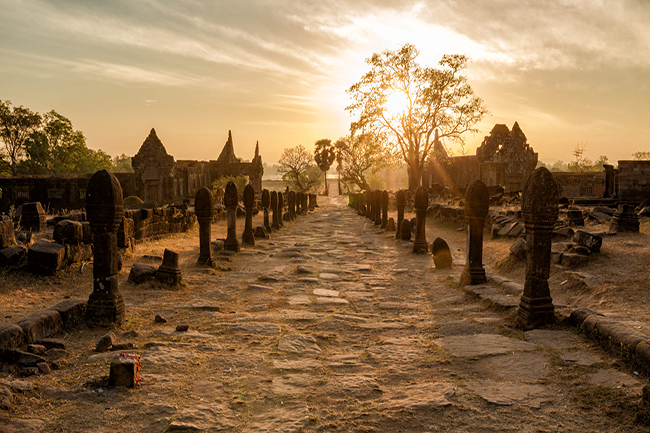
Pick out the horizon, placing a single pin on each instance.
(567, 72)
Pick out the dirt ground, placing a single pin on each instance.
(331, 326)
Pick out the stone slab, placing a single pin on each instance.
(299, 343)
(423, 396)
(508, 394)
(555, 339)
(203, 417)
(482, 344)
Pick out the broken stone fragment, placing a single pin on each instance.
(123, 372)
(105, 343)
(182, 328)
(589, 240)
(159, 319)
(141, 272)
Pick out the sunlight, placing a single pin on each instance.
(396, 103)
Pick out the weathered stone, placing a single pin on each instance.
(477, 204)
(204, 209)
(405, 230)
(11, 336)
(23, 359)
(574, 217)
(519, 248)
(260, 232)
(32, 217)
(384, 209)
(105, 212)
(36, 349)
(182, 328)
(624, 220)
(280, 208)
(13, 257)
(275, 225)
(41, 325)
(266, 204)
(68, 232)
(230, 199)
(141, 272)
(21, 425)
(292, 205)
(169, 271)
(400, 203)
(390, 226)
(441, 254)
(589, 240)
(508, 394)
(105, 342)
(7, 234)
(203, 417)
(539, 206)
(45, 258)
(420, 244)
(123, 372)
(71, 312)
(572, 260)
(6, 398)
(299, 343)
(482, 344)
(248, 237)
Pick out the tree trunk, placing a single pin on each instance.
(415, 176)
(340, 192)
(327, 189)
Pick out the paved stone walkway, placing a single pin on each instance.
(332, 325)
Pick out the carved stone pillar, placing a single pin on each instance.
(292, 205)
(539, 209)
(105, 211)
(274, 208)
(477, 204)
(204, 209)
(230, 200)
(248, 237)
(400, 203)
(376, 198)
(384, 209)
(266, 202)
(421, 204)
(280, 208)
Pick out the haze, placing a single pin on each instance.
(277, 71)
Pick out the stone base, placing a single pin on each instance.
(123, 372)
(205, 261)
(231, 245)
(105, 309)
(261, 233)
(169, 276)
(420, 247)
(473, 276)
(248, 238)
(534, 313)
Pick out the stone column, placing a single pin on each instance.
(105, 211)
(420, 244)
(230, 200)
(266, 202)
(369, 208)
(376, 198)
(400, 203)
(298, 203)
(477, 204)
(292, 205)
(248, 237)
(280, 208)
(204, 209)
(304, 205)
(539, 209)
(384, 209)
(274, 209)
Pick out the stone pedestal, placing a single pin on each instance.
(105, 211)
(266, 203)
(384, 209)
(169, 272)
(204, 209)
(230, 200)
(420, 245)
(477, 205)
(400, 203)
(280, 208)
(624, 220)
(405, 230)
(539, 207)
(248, 237)
(274, 208)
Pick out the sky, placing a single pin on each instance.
(276, 71)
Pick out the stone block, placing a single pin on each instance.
(45, 258)
(7, 234)
(32, 216)
(642, 356)
(141, 272)
(68, 232)
(11, 336)
(41, 325)
(71, 312)
(13, 257)
(87, 233)
(589, 240)
(518, 248)
(78, 253)
(441, 254)
(516, 230)
(123, 372)
(573, 260)
(619, 338)
(23, 359)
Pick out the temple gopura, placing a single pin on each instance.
(156, 177)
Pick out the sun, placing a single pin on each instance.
(396, 103)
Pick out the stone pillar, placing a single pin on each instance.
(609, 180)
(274, 209)
(361, 206)
(292, 205)
(204, 209)
(539, 208)
(384, 209)
(369, 208)
(376, 198)
(420, 244)
(169, 272)
(248, 237)
(477, 204)
(304, 206)
(32, 217)
(405, 230)
(266, 202)
(400, 203)
(280, 208)
(230, 200)
(105, 211)
(312, 201)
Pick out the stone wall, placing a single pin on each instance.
(586, 184)
(633, 180)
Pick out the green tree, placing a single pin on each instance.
(16, 126)
(431, 99)
(298, 171)
(122, 164)
(361, 155)
(324, 154)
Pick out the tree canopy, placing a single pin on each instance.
(324, 155)
(298, 170)
(406, 104)
(16, 127)
(360, 156)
